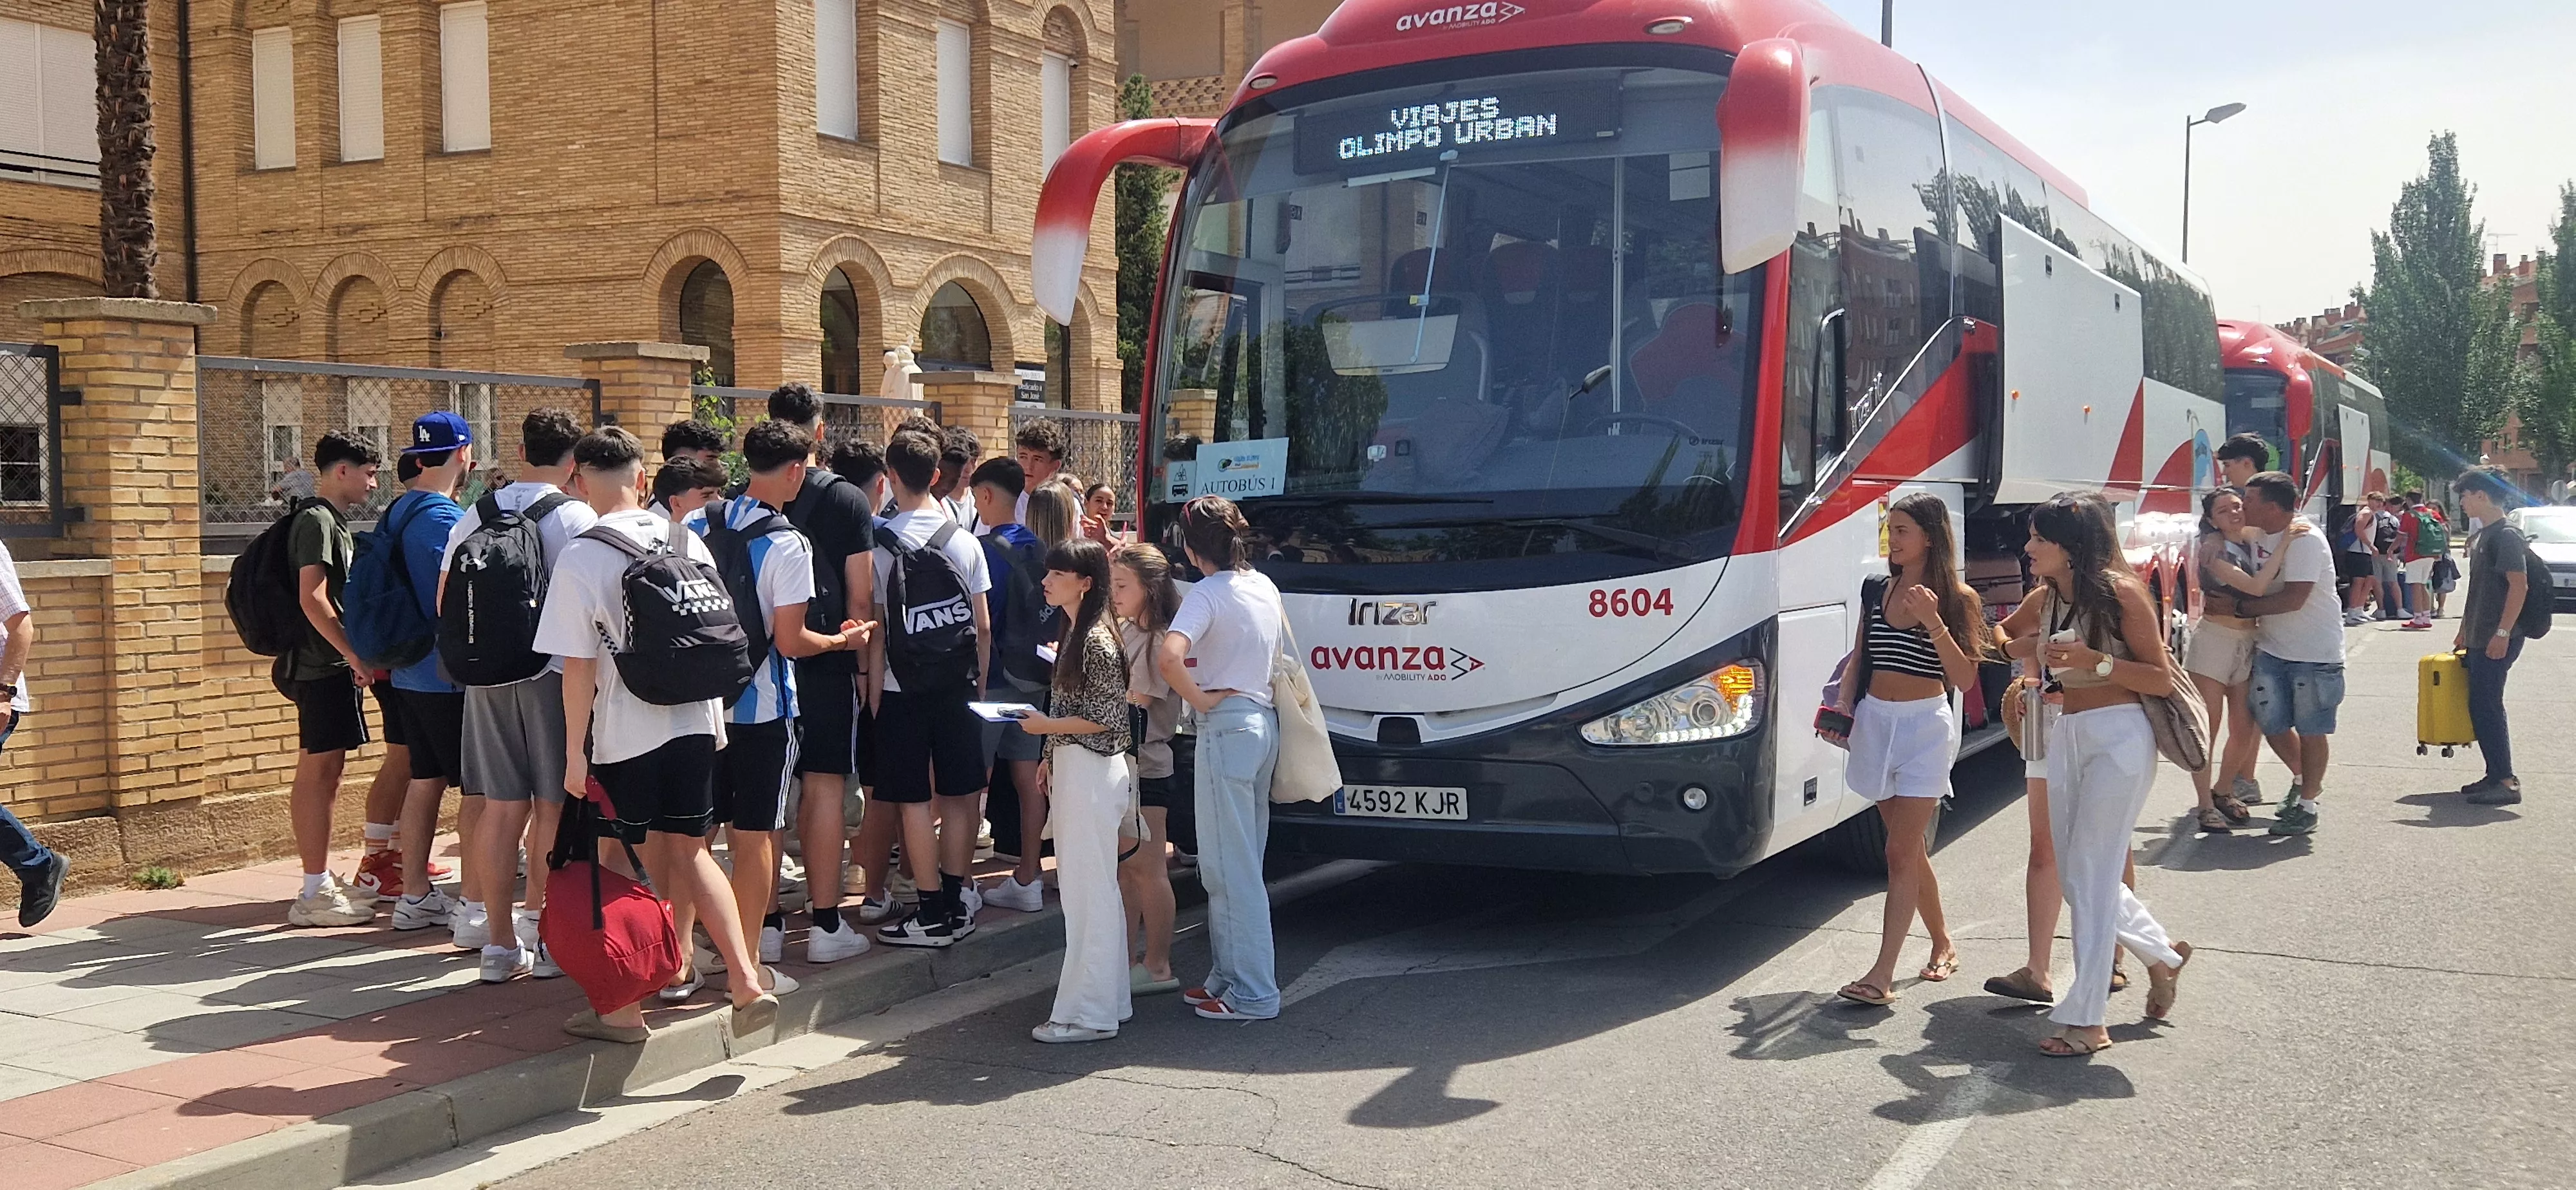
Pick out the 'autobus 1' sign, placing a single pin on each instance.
(1383, 137)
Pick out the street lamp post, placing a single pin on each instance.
(2213, 116)
(1887, 22)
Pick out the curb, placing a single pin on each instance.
(337, 1149)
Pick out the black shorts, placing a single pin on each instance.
(1160, 793)
(393, 735)
(754, 773)
(827, 717)
(2349, 565)
(670, 790)
(928, 743)
(432, 727)
(329, 714)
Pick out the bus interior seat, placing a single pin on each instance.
(1690, 345)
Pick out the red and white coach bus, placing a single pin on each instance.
(1566, 354)
(2328, 427)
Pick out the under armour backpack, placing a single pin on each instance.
(1025, 620)
(930, 618)
(732, 548)
(495, 593)
(684, 643)
(261, 598)
(378, 607)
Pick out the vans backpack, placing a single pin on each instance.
(732, 548)
(930, 619)
(496, 590)
(684, 643)
(266, 611)
(378, 607)
(1026, 620)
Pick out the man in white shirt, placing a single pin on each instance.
(514, 734)
(2298, 650)
(656, 763)
(40, 869)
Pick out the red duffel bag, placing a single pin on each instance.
(610, 934)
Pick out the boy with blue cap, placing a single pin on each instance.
(426, 712)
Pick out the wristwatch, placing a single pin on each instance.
(2102, 668)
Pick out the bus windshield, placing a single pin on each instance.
(1475, 331)
(2255, 404)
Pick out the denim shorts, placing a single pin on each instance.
(2296, 696)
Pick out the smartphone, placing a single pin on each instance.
(1833, 723)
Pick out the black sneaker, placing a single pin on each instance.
(2507, 792)
(926, 925)
(42, 891)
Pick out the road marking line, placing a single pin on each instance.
(1932, 1140)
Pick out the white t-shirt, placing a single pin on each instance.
(585, 616)
(1231, 619)
(2314, 631)
(569, 520)
(782, 564)
(914, 529)
(13, 599)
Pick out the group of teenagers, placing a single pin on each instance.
(920, 625)
(2089, 645)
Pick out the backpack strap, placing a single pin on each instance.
(488, 509)
(544, 506)
(621, 542)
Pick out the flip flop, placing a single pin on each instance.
(586, 1023)
(2073, 1047)
(1879, 998)
(1142, 983)
(2162, 989)
(1939, 970)
(2020, 985)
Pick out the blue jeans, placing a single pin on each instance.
(1238, 747)
(2486, 706)
(19, 850)
(2300, 696)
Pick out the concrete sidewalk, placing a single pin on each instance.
(188, 1038)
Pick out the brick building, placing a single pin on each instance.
(1195, 52)
(475, 185)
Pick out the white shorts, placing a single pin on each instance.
(1902, 749)
(2222, 653)
(2419, 573)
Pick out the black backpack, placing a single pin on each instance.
(684, 643)
(732, 548)
(495, 593)
(930, 619)
(261, 597)
(831, 602)
(1026, 620)
(2539, 595)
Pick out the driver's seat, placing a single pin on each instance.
(1687, 347)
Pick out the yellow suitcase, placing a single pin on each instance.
(2442, 704)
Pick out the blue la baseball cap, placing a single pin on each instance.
(438, 431)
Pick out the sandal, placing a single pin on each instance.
(2215, 820)
(2163, 988)
(1941, 969)
(2229, 806)
(2021, 985)
(1864, 992)
(2119, 977)
(2065, 1044)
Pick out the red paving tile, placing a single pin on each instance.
(536, 1031)
(449, 1014)
(306, 1093)
(167, 1133)
(318, 1049)
(46, 1167)
(199, 1075)
(239, 913)
(424, 1063)
(48, 1114)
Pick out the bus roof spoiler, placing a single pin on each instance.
(1072, 193)
(1762, 153)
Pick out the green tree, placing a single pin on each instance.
(2496, 379)
(2425, 281)
(2549, 408)
(1140, 246)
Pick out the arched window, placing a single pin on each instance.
(840, 314)
(460, 322)
(953, 334)
(706, 317)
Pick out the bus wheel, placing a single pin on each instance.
(1860, 842)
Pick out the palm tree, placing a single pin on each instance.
(128, 244)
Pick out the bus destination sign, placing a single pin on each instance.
(1388, 138)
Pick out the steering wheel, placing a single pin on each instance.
(1680, 429)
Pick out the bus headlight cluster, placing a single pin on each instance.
(1720, 705)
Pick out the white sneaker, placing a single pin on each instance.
(1011, 894)
(879, 909)
(473, 924)
(328, 907)
(358, 893)
(974, 899)
(832, 946)
(422, 912)
(542, 966)
(500, 963)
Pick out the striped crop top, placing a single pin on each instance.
(1906, 651)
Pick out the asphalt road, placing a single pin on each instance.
(2382, 1004)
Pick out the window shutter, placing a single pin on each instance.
(272, 98)
(362, 89)
(464, 77)
(70, 93)
(22, 125)
(836, 67)
(956, 94)
(1055, 107)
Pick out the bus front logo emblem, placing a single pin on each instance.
(1391, 613)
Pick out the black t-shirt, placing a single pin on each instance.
(2499, 550)
(833, 514)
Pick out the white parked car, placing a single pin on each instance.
(2553, 536)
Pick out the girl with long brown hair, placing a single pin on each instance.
(1142, 593)
(1922, 635)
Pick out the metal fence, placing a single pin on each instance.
(31, 441)
(258, 421)
(872, 418)
(1103, 447)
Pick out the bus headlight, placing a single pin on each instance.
(1721, 705)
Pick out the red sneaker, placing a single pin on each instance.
(380, 875)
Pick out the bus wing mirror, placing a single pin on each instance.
(1762, 153)
(1072, 193)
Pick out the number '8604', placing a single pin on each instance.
(1631, 601)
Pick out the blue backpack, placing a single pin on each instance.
(378, 608)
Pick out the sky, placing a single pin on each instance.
(2341, 98)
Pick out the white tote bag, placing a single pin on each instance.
(1306, 771)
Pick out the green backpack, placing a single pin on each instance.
(2432, 537)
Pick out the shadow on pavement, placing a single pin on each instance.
(2444, 808)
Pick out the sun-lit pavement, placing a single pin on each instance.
(2380, 1005)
